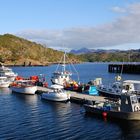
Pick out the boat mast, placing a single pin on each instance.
(64, 62)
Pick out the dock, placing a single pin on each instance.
(124, 68)
(76, 97)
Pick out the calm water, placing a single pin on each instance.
(28, 117)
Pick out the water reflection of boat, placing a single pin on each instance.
(127, 108)
(130, 129)
(5, 90)
(32, 100)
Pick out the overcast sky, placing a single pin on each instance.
(74, 24)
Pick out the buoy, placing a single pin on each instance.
(104, 114)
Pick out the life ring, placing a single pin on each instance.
(136, 108)
(118, 78)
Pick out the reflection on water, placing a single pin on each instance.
(129, 129)
(5, 91)
(58, 109)
(29, 99)
(30, 117)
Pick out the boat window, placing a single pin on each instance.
(134, 99)
(126, 101)
(127, 87)
(114, 86)
(120, 87)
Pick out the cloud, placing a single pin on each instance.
(124, 30)
(118, 9)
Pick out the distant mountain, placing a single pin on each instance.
(85, 51)
(80, 51)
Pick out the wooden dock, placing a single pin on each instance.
(124, 68)
(75, 96)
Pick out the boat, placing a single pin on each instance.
(23, 87)
(118, 87)
(114, 90)
(127, 108)
(91, 87)
(56, 93)
(4, 82)
(62, 76)
(7, 72)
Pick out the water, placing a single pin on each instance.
(28, 117)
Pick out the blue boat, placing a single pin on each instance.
(90, 89)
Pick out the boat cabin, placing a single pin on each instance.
(61, 77)
(131, 86)
(129, 103)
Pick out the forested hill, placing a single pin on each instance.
(18, 51)
(118, 56)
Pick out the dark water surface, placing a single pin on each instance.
(27, 117)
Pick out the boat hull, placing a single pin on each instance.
(113, 114)
(109, 94)
(24, 90)
(59, 97)
(4, 85)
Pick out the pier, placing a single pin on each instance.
(75, 96)
(124, 68)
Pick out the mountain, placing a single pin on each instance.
(18, 51)
(86, 51)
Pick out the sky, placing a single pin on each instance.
(74, 24)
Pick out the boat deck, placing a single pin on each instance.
(75, 96)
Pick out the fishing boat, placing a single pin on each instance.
(118, 87)
(23, 87)
(62, 76)
(4, 82)
(7, 72)
(113, 90)
(127, 108)
(56, 93)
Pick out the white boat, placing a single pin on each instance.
(56, 93)
(24, 87)
(4, 82)
(7, 72)
(62, 76)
